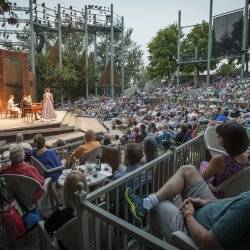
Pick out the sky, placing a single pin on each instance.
(146, 17)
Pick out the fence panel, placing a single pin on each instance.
(111, 232)
(191, 152)
(113, 218)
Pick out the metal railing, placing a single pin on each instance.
(119, 225)
(191, 152)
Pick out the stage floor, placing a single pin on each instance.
(9, 124)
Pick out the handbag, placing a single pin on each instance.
(29, 218)
(12, 223)
(12, 219)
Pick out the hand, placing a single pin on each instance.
(187, 208)
(198, 202)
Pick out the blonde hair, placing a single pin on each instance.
(70, 187)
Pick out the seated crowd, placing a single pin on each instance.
(170, 113)
(211, 220)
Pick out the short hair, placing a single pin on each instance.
(106, 140)
(17, 154)
(70, 187)
(150, 148)
(39, 141)
(89, 135)
(19, 137)
(133, 153)
(235, 138)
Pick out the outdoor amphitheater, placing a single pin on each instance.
(120, 133)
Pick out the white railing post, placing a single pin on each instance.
(82, 219)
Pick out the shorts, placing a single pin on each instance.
(168, 216)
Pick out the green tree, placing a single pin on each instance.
(196, 38)
(134, 66)
(163, 52)
(228, 69)
(70, 80)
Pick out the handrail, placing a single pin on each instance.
(126, 227)
(115, 214)
(190, 142)
(109, 187)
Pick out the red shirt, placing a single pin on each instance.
(26, 170)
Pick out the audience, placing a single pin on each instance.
(183, 134)
(107, 140)
(18, 166)
(151, 118)
(133, 155)
(19, 141)
(233, 137)
(150, 149)
(90, 144)
(212, 224)
(26, 146)
(60, 217)
(46, 156)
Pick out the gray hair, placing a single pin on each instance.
(17, 154)
(19, 137)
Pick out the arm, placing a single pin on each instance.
(215, 166)
(202, 237)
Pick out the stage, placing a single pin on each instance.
(16, 124)
(66, 126)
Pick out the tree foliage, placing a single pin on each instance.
(196, 38)
(134, 66)
(70, 80)
(228, 69)
(163, 52)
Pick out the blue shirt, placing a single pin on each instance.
(229, 220)
(165, 136)
(50, 160)
(220, 118)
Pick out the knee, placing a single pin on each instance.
(188, 170)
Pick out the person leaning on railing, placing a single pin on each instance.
(213, 224)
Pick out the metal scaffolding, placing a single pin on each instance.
(93, 20)
(196, 57)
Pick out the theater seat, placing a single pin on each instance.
(212, 143)
(234, 185)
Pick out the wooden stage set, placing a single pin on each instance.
(66, 126)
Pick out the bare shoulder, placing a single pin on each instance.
(218, 158)
(217, 162)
